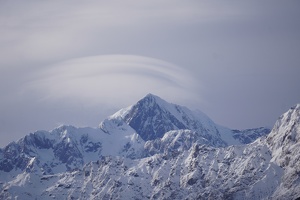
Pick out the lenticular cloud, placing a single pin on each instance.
(114, 79)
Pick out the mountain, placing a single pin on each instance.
(155, 150)
(68, 148)
(284, 142)
(152, 117)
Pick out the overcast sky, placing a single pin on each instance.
(76, 62)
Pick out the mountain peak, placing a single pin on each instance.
(151, 117)
(148, 102)
(286, 125)
(151, 99)
(150, 95)
(296, 108)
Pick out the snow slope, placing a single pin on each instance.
(67, 148)
(284, 142)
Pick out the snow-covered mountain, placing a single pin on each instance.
(155, 150)
(152, 117)
(68, 148)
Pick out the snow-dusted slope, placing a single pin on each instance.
(284, 142)
(203, 172)
(68, 148)
(114, 162)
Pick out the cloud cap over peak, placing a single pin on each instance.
(114, 79)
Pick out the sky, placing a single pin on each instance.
(77, 62)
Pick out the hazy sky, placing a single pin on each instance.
(76, 62)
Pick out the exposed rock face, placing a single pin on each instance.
(152, 117)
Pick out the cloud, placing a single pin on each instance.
(114, 80)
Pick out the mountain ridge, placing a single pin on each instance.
(68, 145)
(115, 162)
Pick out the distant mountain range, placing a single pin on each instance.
(155, 150)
